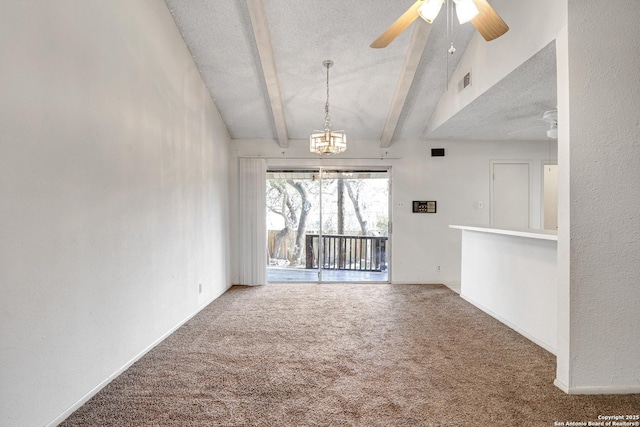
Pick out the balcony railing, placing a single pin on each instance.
(364, 253)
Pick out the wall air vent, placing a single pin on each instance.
(464, 82)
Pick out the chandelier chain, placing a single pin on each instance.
(327, 141)
(327, 118)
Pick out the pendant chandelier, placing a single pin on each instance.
(327, 141)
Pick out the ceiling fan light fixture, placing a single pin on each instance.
(327, 141)
(466, 10)
(551, 117)
(430, 9)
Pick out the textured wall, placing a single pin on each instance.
(113, 196)
(602, 157)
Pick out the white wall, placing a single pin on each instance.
(113, 196)
(420, 242)
(599, 199)
(513, 277)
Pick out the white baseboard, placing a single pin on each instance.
(71, 409)
(395, 282)
(455, 287)
(562, 386)
(634, 389)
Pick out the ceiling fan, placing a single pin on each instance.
(549, 116)
(479, 12)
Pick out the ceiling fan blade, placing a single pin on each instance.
(399, 26)
(488, 22)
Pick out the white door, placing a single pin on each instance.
(510, 195)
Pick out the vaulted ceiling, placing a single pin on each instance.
(262, 63)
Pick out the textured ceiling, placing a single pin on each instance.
(363, 81)
(516, 104)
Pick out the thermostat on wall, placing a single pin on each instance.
(424, 207)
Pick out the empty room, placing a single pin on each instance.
(266, 212)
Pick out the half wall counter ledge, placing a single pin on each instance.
(512, 275)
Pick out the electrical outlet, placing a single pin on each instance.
(200, 288)
(437, 268)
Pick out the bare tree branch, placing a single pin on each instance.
(355, 200)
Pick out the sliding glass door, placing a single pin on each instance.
(293, 211)
(328, 225)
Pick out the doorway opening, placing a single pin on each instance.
(328, 225)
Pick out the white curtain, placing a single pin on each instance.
(253, 221)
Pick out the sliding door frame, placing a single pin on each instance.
(321, 171)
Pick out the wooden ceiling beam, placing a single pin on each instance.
(419, 39)
(261, 33)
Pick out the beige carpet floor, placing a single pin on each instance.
(343, 355)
